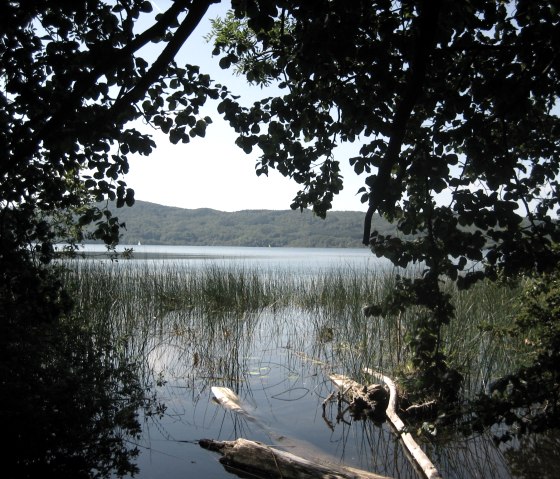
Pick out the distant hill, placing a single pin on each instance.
(150, 223)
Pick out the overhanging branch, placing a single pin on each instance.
(427, 25)
(196, 11)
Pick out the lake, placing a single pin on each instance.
(276, 357)
(298, 259)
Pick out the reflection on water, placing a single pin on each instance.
(69, 406)
(280, 259)
(275, 356)
(280, 372)
(282, 384)
(536, 453)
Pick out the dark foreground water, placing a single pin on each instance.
(278, 361)
(283, 383)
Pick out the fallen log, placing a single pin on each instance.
(229, 400)
(258, 458)
(418, 457)
(363, 401)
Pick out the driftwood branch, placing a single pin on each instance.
(227, 398)
(418, 457)
(267, 461)
(258, 458)
(363, 401)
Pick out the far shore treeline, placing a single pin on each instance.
(150, 223)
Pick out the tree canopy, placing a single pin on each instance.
(454, 107)
(77, 80)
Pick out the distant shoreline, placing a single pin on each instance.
(151, 224)
(166, 252)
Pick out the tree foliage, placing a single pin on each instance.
(78, 78)
(529, 399)
(454, 106)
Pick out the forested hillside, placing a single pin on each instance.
(149, 223)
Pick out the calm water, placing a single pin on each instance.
(281, 383)
(275, 362)
(293, 259)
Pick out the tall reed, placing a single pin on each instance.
(194, 328)
(220, 306)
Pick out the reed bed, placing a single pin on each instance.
(277, 335)
(216, 310)
(477, 341)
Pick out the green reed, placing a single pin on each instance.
(211, 315)
(478, 342)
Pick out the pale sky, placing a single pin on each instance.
(213, 172)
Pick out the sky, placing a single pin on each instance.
(212, 172)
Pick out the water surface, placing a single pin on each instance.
(277, 359)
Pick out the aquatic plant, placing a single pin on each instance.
(131, 300)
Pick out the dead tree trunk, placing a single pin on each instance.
(363, 401)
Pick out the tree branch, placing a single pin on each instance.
(427, 25)
(196, 11)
